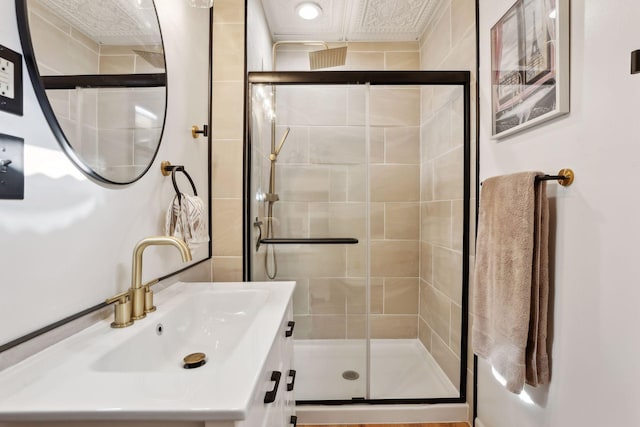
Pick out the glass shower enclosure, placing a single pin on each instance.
(357, 188)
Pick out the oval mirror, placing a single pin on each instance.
(98, 68)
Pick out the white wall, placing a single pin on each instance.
(67, 246)
(259, 42)
(595, 344)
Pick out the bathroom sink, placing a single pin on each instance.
(211, 323)
(137, 373)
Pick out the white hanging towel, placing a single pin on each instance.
(186, 220)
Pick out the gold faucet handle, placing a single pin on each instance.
(148, 296)
(122, 309)
(120, 298)
(150, 283)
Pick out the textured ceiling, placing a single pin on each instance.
(111, 22)
(352, 20)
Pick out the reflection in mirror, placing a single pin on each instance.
(101, 65)
(68, 244)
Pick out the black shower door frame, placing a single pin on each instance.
(386, 78)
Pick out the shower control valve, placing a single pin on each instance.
(258, 225)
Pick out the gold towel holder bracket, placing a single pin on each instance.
(168, 169)
(165, 169)
(196, 131)
(565, 177)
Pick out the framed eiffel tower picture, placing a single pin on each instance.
(529, 65)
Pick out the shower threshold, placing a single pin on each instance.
(400, 369)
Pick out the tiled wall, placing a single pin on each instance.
(227, 132)
(448, 44)
(114, 141)
(360, 56)
(62, 50)
(322, 185)
(395, 215)
(442, 224)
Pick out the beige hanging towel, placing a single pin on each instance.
(511, 279)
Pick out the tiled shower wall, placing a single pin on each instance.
(442, 225)
(101, 134)
(395, 215)
(322, 187)
(128, 134)
(433, 211)
(320, 181)
(448, 44)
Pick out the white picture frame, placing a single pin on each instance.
(529, 66)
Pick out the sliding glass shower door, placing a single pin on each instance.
(360, 193)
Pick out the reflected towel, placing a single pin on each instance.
(186, 220)
(511, 279)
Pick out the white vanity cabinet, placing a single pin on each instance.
(287, 356)
(274, 398)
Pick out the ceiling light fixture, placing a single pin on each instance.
(308, 10)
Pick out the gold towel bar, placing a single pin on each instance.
(565, 177)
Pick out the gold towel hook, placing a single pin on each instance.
(196, 131)
(165, 169)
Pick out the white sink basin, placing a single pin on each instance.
(136, 373)
(210, 322)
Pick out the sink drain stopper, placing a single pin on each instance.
(350, 375)
(194, 360)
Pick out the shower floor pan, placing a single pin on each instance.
(400, 369)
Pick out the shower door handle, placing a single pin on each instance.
(290, 325)
(270, 396)
(292, 374)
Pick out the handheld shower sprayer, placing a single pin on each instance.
(272, 197)
(273, 157)
(284, 137)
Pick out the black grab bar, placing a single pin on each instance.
(310, 241)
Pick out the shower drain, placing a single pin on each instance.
(350, 375)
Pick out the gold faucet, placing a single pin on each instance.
(137, 301)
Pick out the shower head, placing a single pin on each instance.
(327, 58)
(324, 58)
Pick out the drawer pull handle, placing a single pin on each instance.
(293, 420)
(292, 374)
(290, 327)
(270, 396)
